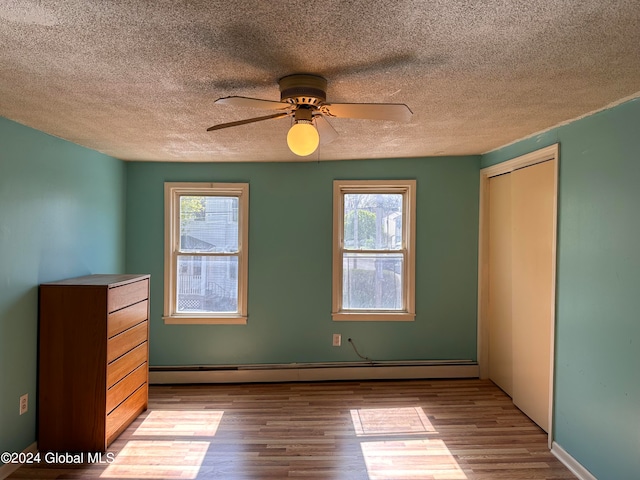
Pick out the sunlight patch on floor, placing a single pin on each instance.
(203, 423)
(391, 421)
(158, 460)
(410, 459)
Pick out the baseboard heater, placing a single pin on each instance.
(309, 372)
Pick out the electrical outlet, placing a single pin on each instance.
(24, 403)
(337, 339)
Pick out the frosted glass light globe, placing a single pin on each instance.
(303, 138)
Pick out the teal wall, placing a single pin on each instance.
(597, 382)
(290, 228)
(61, 215)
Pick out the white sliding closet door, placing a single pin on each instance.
(532, 202)
(500, 349)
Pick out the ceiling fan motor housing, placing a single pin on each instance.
(303, 89)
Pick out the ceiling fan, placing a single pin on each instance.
(303, 97)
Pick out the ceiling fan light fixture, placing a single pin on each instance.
(303, 97)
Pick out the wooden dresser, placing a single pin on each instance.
(93, 362)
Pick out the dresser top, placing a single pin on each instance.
(110, 280)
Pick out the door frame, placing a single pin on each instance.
(542, 155)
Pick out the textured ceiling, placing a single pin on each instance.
(137, 79)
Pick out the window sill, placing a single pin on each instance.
(373, 317)
(202, 320)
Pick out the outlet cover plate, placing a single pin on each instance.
(24, 403)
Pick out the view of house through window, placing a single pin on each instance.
(373, 250)
(208, 254)
(373, 261)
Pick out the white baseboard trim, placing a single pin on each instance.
(571, 463)
(8, 468)
(311, 373)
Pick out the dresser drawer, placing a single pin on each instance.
(125, 341)
(126, 386)
(122, 415)
(124, 318)
(120, 297)
(124, 365)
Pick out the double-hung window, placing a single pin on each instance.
(374, 250)
(206, 252)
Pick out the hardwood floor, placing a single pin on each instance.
(437, 429)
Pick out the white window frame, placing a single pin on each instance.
(408, 189)
(172, 193)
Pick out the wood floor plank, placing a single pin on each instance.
(399, 430)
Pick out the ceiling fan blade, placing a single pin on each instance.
(248, 120)
(253, 103)
(326, 131)
(397, 112)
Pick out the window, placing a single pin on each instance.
(206, 245)
(373, 250)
